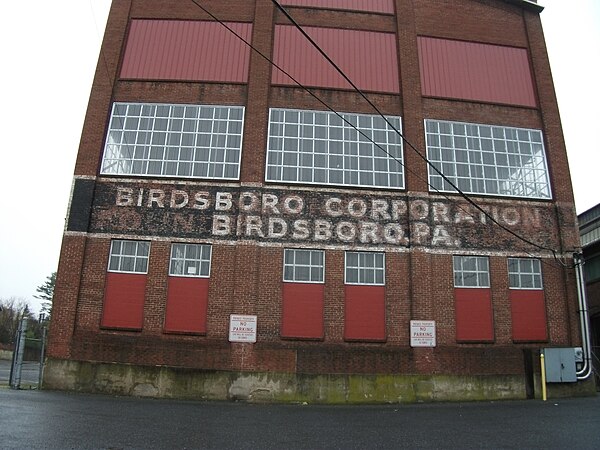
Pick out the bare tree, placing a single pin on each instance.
(11, 312)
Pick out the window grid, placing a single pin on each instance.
(471, 271)
(167, 140)
(365, 268)
(524, 273)
(304, 266)
(190, 260)
(484, 159)
(129, 256)
(318, 147)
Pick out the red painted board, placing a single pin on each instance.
(528, 312)
(368, 58)
(302, 310)
(187, 303)
(380, 6)
(364, 317)
(475, 71)
(124, 301)
(474, 318)
(187, 51)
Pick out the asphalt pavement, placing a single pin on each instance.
(56, 420)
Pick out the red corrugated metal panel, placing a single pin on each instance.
(528, 311)
(381, 6)
(124, 301)
(472, 71)
(302, 310)
(364, 315)
(186, 50)
(369, 59)
(474, 320)
(187, 302)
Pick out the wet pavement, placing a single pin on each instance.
(56, 420)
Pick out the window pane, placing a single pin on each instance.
(505, 172)
(524, 273)
(365, 268)
(219, 130)
(325, 147)
(303, 266)
(190, 260)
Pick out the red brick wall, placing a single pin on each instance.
(246, 274)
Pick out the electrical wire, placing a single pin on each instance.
(415, 149)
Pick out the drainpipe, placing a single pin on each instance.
(584, 319)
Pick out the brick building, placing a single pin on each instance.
(234, 235)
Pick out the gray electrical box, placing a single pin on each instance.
(560, 365)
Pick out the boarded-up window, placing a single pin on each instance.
(368, 58)
(187, 51)
(474, 71)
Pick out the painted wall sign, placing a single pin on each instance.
(242, 328)
(422, 333)
(314, 217)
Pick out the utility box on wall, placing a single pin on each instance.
(560, 365)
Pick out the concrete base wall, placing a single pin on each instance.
(169, 382)
(6, 354)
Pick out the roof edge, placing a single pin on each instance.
(526, 4)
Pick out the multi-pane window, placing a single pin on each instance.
(190, 260)
(129, 256)
(365, 268)
(524, 273)
(484, 159)
(471, 271)
(304, 266)
(319, 147)
(166, 140)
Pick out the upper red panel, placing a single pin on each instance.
(124, 301)
(302, 310)
(528, 311)
(472, 71)
(187, 302)
(364, 313)
(186, 50)
(368, 58)
(380, 6)
(474, 319)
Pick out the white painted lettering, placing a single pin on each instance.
(420, 233)
(280, 224)
(419, 210)
(511, 216)
(223, 201)
(254, 225)
(221, 225)
(248, 202)
(201, 200)
(368, 232)
(156, 196)
(182, 196)
(124, 196)
(441, 237)
(333, 207)
(357, 207)
(269, 204)
(379, 210)
(440, 212)
(345, 231)
(294, 204)
(301, 230)
(322, 230)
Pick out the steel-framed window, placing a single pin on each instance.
(318, 147)
(129, 256)
(524, 273)
(471, 271)
(190, 260)
(169, 140)
(304, 266)
(489, 160)
(365, 268)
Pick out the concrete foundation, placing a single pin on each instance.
(170, 382)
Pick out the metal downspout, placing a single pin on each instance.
(584, 321)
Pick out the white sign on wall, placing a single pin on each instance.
(242, 328)
(422, 333)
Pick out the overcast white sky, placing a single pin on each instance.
(49, 52)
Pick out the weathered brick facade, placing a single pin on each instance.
(250, 222)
